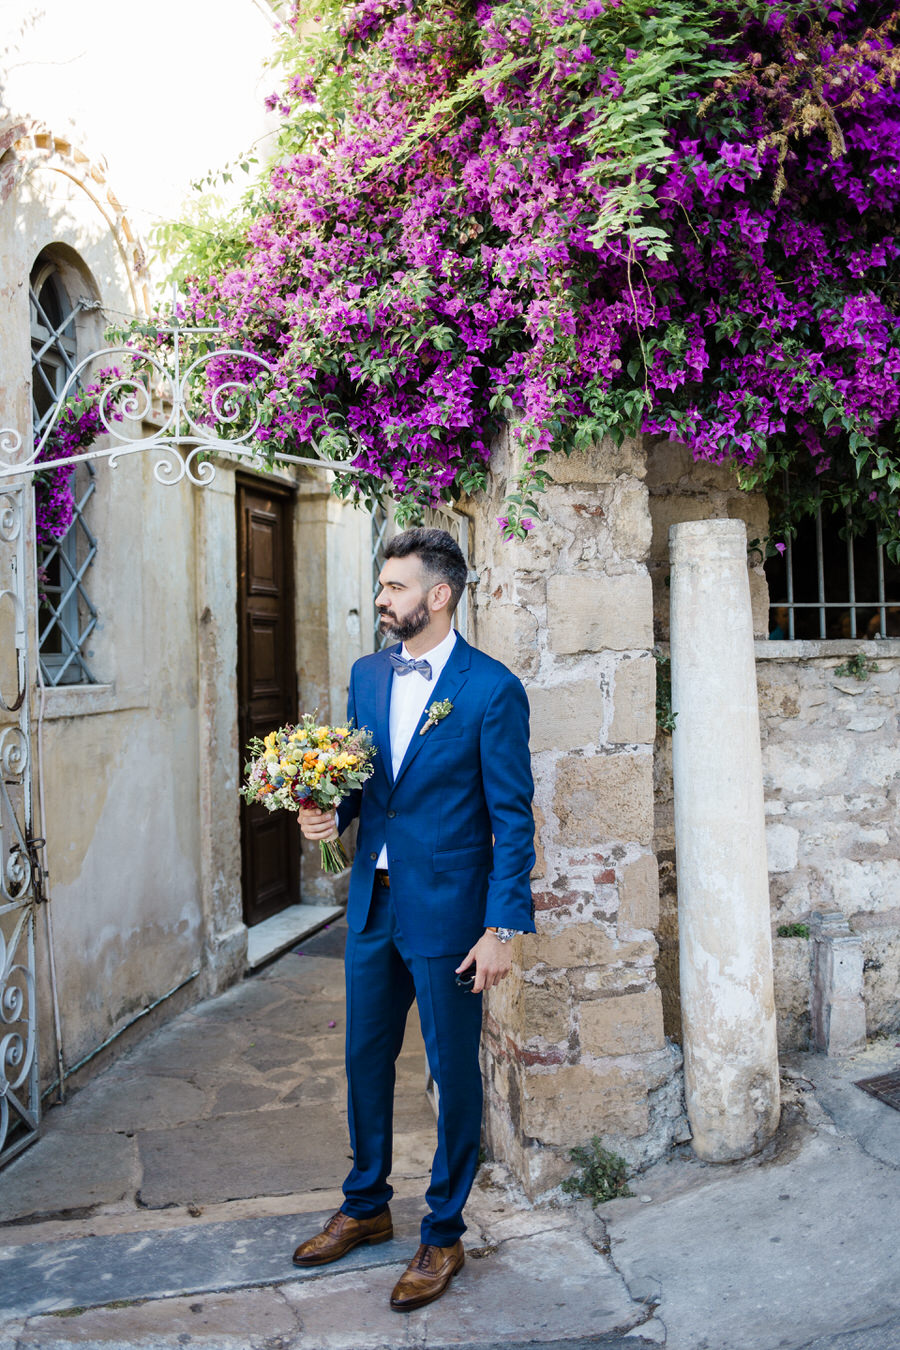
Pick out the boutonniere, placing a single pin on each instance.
(436, 713)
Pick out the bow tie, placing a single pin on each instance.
(404, 667)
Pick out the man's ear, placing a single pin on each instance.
(440, 596)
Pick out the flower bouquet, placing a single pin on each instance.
(309, 764)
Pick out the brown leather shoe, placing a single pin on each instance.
(427, 1276)
(340, 1235)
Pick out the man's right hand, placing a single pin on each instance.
(318, 825)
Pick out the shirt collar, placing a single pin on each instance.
(438, 656)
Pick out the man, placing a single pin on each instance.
(440, 883)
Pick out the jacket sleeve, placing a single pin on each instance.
(509, 790)
(348, 810)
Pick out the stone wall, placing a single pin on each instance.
(574, 1040)
(681, 489)
(831, 763)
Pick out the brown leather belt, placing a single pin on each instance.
(382, 878)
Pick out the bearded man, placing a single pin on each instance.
(439, 886)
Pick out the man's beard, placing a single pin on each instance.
(407, 628)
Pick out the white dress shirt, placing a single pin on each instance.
(409, 696)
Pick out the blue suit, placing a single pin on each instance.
(459, 829)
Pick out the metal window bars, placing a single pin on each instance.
(866, 605)
(66, 614)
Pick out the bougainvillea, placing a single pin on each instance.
(586, 218)
(84, 416)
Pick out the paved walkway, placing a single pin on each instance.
(162, 1203)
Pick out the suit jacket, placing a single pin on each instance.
(457, 820)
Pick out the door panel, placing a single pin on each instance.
(267, 684)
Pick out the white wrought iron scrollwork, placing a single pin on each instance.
(17, 1012)
(13, 752)
(19, 1093)
(10, 516)
(200, 419)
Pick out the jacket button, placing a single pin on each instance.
(391, 815)
(374, 857)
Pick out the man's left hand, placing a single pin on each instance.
(492, 959)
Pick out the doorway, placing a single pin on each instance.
(267, 685)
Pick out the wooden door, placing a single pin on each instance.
(267, 686)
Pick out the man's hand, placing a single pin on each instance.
(493, 960)
(318, 825)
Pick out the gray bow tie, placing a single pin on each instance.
(404, 667)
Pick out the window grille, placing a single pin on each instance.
(434, 518)
(66, 615)
(826, 586)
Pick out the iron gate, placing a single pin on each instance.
(184, 432)
(21, 873)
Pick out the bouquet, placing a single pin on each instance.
(310, 764)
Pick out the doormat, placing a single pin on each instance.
(886, 1087)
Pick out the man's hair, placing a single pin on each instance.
(440, 556)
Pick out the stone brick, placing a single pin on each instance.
(782, 843)
(629, 519)
(628, 1025)
(634, 703)
(639, 894)
(670, 464)
(600, 464)
(759, 603)
(566, 716)
(592, 981)
(546, 1010)
(582, 944)
(671, 508)
(753, 509)
(540, 866)
(510, 634)
(574, 1102)
(593, 614)
(606, 797)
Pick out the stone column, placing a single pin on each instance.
(727, 998)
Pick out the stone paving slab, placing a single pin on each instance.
(542, 1292)
(542, 1288)
(765, 1256)
(290, 1148)
(65, 1171)
(90, 1271)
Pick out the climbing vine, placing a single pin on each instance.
(579, 219)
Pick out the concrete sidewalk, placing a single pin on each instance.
(161, 1206)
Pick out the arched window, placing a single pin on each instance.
(66, 545)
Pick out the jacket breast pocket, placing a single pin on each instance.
(453, 859)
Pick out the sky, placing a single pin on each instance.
(162, 93)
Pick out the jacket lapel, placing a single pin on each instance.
(452, 679)
(383, 679)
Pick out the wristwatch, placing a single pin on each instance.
(504, 934)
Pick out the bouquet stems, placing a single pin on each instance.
(334, 856)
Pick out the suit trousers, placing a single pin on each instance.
(383, 977)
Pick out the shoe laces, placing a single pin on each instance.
(423, 1259)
